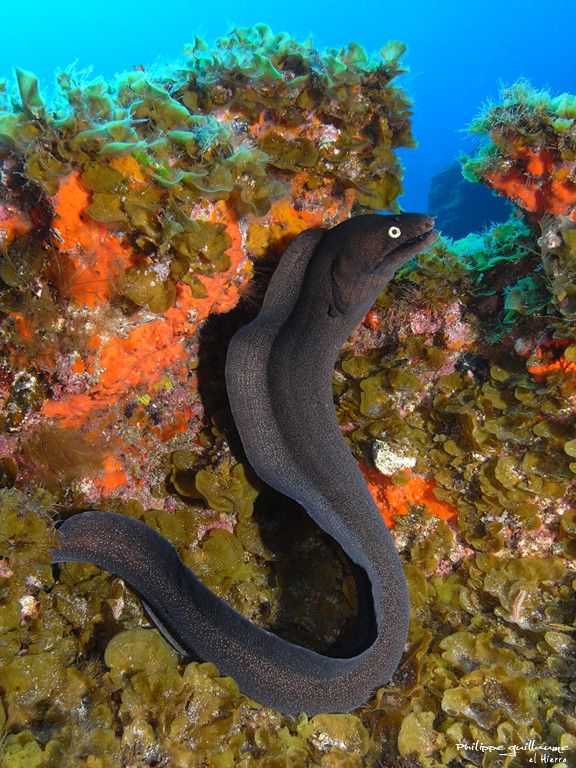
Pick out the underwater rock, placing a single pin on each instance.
(388, 461)
(461, 207)
(530, 157)
(531, 154)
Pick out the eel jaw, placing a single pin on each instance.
(415, 244)
(404, 251)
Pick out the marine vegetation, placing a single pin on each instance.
(136, 217)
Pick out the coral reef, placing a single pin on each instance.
(133, 216)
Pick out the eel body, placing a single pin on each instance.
(278, 376)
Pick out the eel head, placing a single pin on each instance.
(367, 250)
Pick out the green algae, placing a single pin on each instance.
(483, 681)
(22, 751)
(501, 244)
(32, 102)
(285, 154)
(380, 192)
(175, 126)
(144, 286)
(227, 489)
(527, 296)
(182, 713)
(201, 242)
(417, 736)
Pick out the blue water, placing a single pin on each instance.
(459, 53)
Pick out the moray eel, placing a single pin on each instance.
(278, 376)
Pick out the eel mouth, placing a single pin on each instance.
(400, 255)
(415, 244)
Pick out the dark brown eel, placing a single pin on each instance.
(278, 375)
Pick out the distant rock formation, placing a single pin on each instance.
(462, 207)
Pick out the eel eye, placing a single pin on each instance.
(394, 232)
